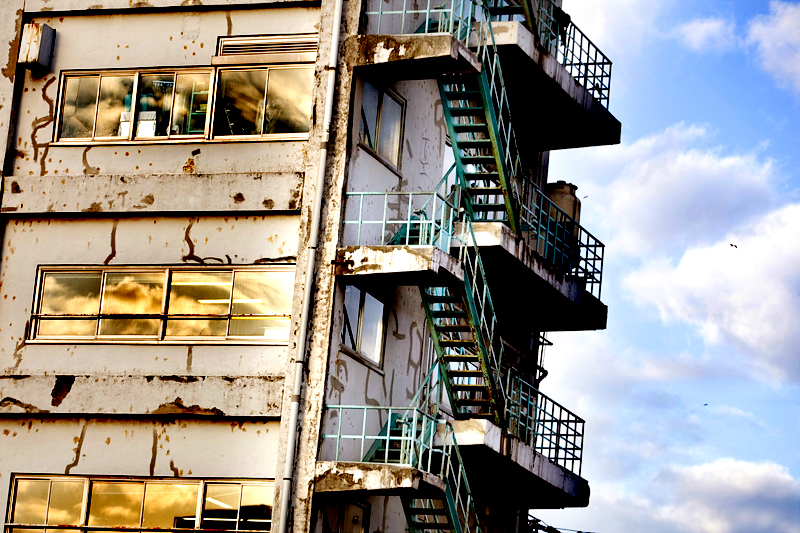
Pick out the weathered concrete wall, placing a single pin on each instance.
(145, 241)
(179, 448)
(135, 40)
(423, 144)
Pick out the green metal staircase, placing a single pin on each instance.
(472, 127)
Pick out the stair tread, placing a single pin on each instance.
(465, 373)
(488, 207)
(472, 402)
(474, 143)
(478, 191)
(461, 358)
(450, 328)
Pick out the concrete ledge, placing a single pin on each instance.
(489, 454)
(337, 476)
(148, 193)
(410, 57)
(406, 265)
(517, 272)
(574, 118)
(196, 396)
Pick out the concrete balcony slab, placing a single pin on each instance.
(339, 476)
(400, 265)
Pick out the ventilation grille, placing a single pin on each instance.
(272, 44)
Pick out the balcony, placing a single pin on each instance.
(419, 236)
(571, 75)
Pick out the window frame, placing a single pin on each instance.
(134, 112)
(357, 352)
(33, 337)
(382, 93)
(261, 136)
(208, 136)
(84, 527)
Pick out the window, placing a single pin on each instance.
(177, 104)
(167, 104)
(138, 504)
(263, 101)
(163, 304)
(382, 123)
(363, 327)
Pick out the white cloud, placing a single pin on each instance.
(617, 27)
(777, 41)
(666, 191)
(707, 35)
(723, 496)
(747, 296)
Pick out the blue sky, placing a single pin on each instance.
(692, 394)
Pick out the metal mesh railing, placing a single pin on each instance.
(378, 434)
(545, 425)
(575, 51)
(562, 242)
(402, 218)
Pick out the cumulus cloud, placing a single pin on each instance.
(777, 42)
(722, 496)
(707, 35)
(745, 295)
(669, 190)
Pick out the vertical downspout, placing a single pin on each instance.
(313, 237)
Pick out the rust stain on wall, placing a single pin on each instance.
(113, 252)
(77, 450)
(177, 407)
(154, 452)
(13, 50)
(87, 168)
(61, 388)
(7, 403)
(43, 122)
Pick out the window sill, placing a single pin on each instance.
(360, 358)
(185, 140)
(395, 170)
(154, 342)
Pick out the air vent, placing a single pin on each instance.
(290, 48)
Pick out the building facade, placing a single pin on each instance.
(290, 266)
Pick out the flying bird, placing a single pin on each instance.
(734, 245)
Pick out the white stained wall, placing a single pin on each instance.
(179, 448)
(135, 41)
(238, 380)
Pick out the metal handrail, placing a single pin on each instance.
(424, 442)
(422, 218)
(575, 51)
(544, 424)
(562, 242)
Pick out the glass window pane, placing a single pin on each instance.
(256, 512)
(155, 102)
(115, 504)
(262, 293)
(67, 327)
(80, 102)
(66, 499)
(221, 506)
(191, 104)
(391, 122)
(169, 506)
(240, 102)
(372, 328)
(369, 116)
(289, 100)
(352, 303)
(70, 293)
(197, 328)
(200, 293)
(30, 501)
(265, 293)
(132, 293)
(114, 107)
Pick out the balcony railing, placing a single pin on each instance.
(407, 436)
(575, 51)
(402, 218)
(545, 425)
(562, 242)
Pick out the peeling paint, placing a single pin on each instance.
(61, 388)
(177, 408)
(13, 50)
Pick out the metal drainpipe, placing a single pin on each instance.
(313, 237)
